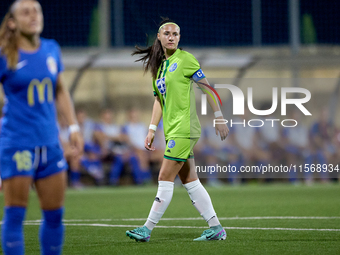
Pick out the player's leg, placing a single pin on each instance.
(167, 175)
(17, 167)
(16, 192)
(51, 191)
(50, 182)
(201, 200)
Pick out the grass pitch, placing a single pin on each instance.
(259, 219)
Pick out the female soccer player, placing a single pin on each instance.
(30, 73)
(173, 70)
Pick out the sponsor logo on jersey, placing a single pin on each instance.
(173, 67)
(171, 144)
(41, 87)
(161, 85)
(52, 65)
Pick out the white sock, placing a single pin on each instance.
(162, 200)
(202, 202)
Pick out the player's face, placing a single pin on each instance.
(107, 116)
(28, 17)
(169, 37)
(81, 117)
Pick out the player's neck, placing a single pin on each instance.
(168, 53)
(29, 43)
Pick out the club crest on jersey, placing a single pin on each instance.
(171, 144)
(52, 65)
(173, 67)
(161, 85)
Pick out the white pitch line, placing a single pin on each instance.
(192, 227)
(247, 218)
(199, 218)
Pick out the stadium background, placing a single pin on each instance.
(249, 43)
(258, 43)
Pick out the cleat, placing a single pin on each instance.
(211, 234)
(141, 234)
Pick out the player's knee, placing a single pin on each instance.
(49, 205)
(166, 177)
(20, 201)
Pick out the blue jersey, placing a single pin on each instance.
(30, 90)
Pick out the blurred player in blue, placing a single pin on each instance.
(30, 73)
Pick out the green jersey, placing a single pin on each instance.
(175, 89)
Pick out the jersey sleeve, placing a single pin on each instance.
(154, 88)
(191, 65)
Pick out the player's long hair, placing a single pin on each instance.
(9, 38)
(153, 55)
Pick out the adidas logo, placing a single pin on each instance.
(168, 150)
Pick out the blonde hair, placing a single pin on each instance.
(9, 38)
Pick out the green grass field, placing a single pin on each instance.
(97, 219)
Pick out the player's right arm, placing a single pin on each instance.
(65, 106)
(155, 119)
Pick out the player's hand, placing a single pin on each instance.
(77, 142)
(222, 129)
(149, 140)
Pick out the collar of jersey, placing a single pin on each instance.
(34, 51)
(176, 53)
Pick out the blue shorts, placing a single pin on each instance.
(38, 162)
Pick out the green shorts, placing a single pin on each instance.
(180, 149)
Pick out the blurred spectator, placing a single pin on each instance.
(296, 143)
(92, 163)
(335, 159)
(215, 151)
(246, 138)
(133, 134)
(270, 138)
(111, 132)
(88, 128)
(320, 139)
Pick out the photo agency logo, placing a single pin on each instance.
(239, 105)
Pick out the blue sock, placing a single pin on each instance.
(75, 177)
(12, 235)
(51, 232)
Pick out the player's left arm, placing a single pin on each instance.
(65, 107)
(222, 129)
